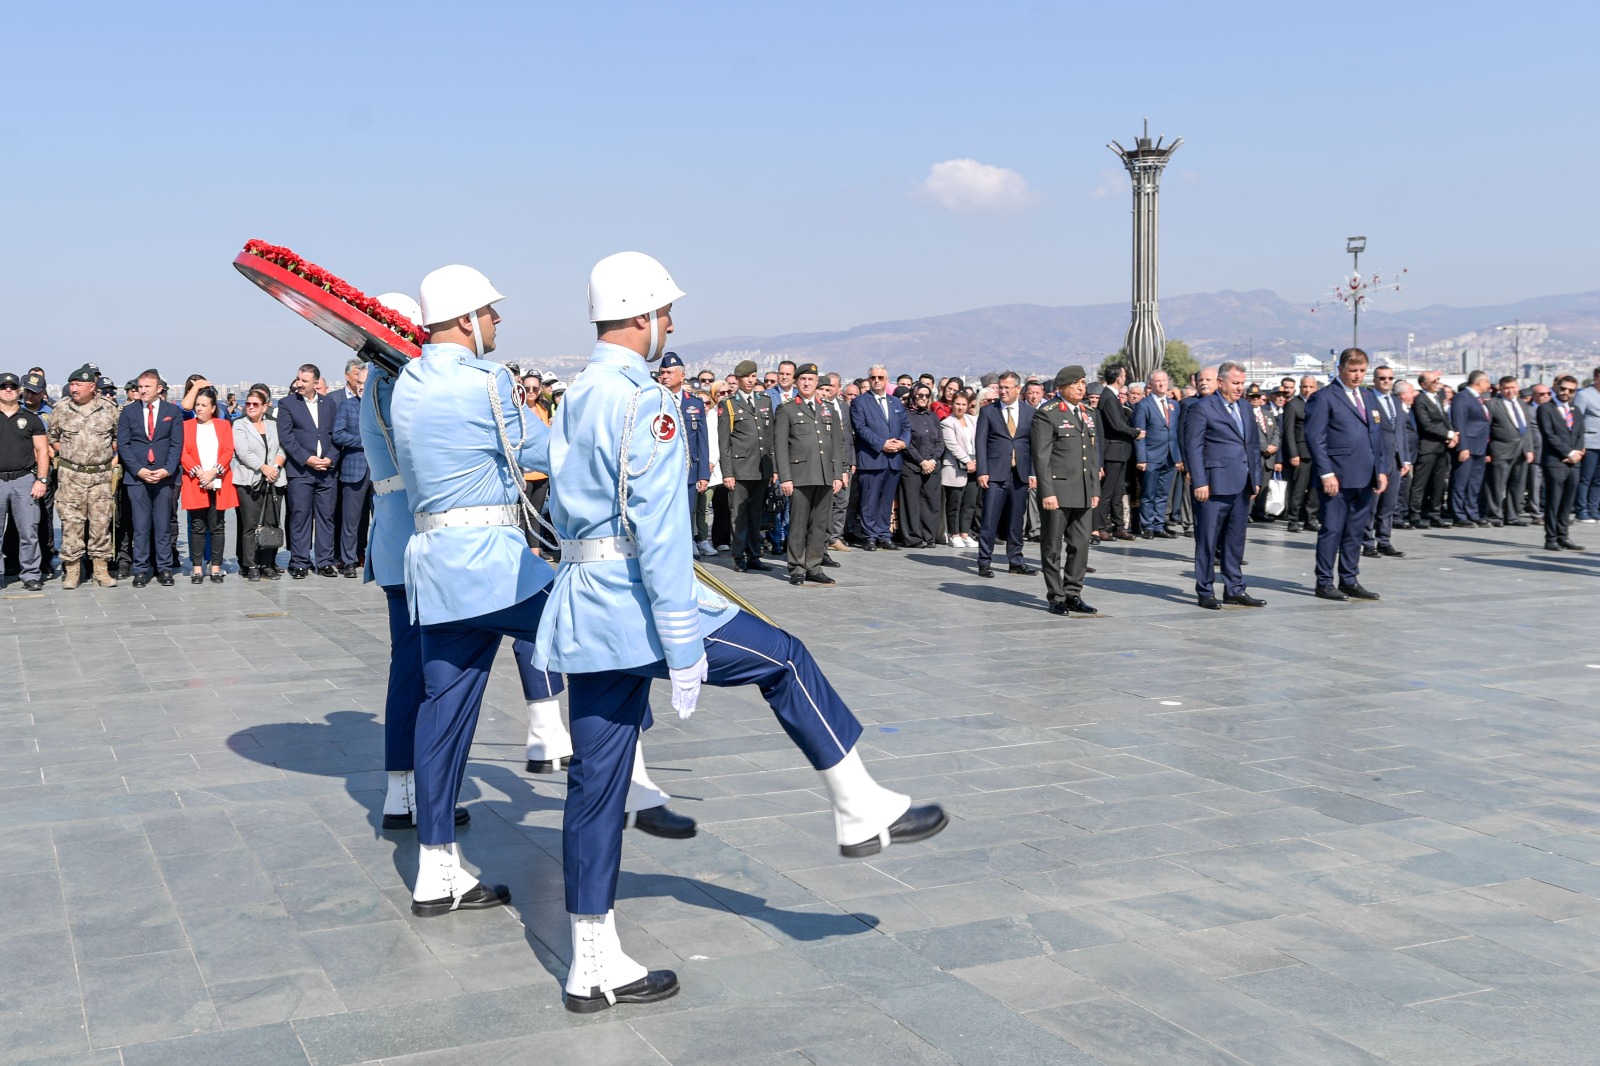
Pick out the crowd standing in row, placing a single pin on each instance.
(794, 464)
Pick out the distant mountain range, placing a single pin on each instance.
(1215, 325)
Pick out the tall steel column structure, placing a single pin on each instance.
(1146, 343)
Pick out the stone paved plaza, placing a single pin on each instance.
(1318, 833)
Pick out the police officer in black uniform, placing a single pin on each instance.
(806, 435)
(744, 443)
(1066, 460)
(24, 478)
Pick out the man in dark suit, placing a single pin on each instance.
(355, 485)
(1469, 412)
(1117, 437)
(1158, 453)
(1351, 460)
(1395, 422)
(744, 443)
(150, 445)
(1270, 438)
(1303, 502)
(305, 431)
(1562, 426)
(1510, 455)
(1005, 472)
(881, 430)
(1066, 461)
(1533, 501)
(1221, 448)
(1435, 437)
(806, 434)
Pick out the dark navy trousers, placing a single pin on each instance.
(153, 518)
(1220, 519)
(456, 660)
(405, 683)
(1344, 524)
(877, 498)
(606, 709)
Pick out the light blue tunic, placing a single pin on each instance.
(623, 612)
(391, 525)
(450, 455)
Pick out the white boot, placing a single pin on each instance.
(548, 739)
(642, 792)
(599, 965)
(399, 799)
(862, 808)
(440, 873)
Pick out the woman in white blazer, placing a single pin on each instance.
(959, 471)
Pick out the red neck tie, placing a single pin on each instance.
(150, 431)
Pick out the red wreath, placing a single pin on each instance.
(343, 290)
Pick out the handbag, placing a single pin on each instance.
(269, 531)
(1277, 495)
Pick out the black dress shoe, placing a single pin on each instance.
(1391, 551)
(1483, 525)
(820, 579)
(349, 571)
(1566, 542)
(1210, 603)
(918, 823)
(1244, 599)
(141, 580)
(1495, 523)
(1059, 609)
(738, 564)
(651, 988)
(1293, 527)
(829, 563)
(327, 571)
(1147, 536)
(663, 822)
(163, 577)
(548, 766)
(1356, 592)
(1021, 568)
(1441, 523)
(888, 545)
(1328, 592)
(1076, 605)
(1369, 553)
(1314, 525)
(797, 579)
(298, 572)
(480, 898)
(1549, 546)
(272, 573)
(197, 579)
(33, 585)
(252, 573)
(756, 564)
(1167, 534)
(869, 546)
(985, 571)
(408, 820)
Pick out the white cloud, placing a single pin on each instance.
(968, 185)
(1112, 183)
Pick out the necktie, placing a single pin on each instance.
(1361, 408)
(1388, 407)
(1566, 412)
(1516, 413)
(1011, 427)
(1163, 405)
(1261, 422)
(150, 429)
(883, 405)
(1233, 411)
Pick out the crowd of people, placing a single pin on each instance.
(791, 464)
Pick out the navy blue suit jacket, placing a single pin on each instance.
(299, 437)
(1218, 454)
(1344, 444)
(347, 435)
(871, 430)
(693, 410)
(1160, 442)
(1471, 421)
(1399, 436)
(134, 444)
(995, 447)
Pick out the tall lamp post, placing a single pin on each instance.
(1146, 342)
(1516, 345)
(1355, 246)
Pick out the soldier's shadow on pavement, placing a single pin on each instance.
(1573, 564)
(992, 593)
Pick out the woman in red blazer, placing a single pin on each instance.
(207, 490)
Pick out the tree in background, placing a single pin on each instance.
(1179, 364)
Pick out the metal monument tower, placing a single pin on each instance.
(1146, 343)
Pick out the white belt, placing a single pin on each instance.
(598, 549)
(494, 514)
(384, 486)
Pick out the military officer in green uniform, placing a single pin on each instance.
(1066, 460)
(83, 435)
(806, 434)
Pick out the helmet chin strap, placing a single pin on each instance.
(655, 340)
(477, 336)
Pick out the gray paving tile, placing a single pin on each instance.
(46, 959)
(382, 963)
(143, 998)
(735, 1033)
(1118, 1032)
(269, 1045)
(32, 1035)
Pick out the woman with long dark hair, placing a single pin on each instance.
(258, 477)
(207, 490)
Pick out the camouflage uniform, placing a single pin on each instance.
(85, 439)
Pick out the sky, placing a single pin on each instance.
(796, 167)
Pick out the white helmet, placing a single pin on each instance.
(403, 304)
(453, 291)
(628, 284)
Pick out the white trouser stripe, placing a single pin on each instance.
(790, 664)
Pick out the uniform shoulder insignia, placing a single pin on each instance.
(664, 427)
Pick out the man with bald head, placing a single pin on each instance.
(1435, 437)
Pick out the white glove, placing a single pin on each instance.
(686, 687)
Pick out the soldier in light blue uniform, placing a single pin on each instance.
(626, 607)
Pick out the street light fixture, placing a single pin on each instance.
(1516, 345)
